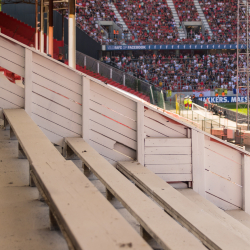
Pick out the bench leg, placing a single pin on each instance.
(21, 154)
(53, 223)
(12, 134)
(6, 124)
(109, 195)
(144, 234)
(86, 170)
(31, 181)
(68, 153)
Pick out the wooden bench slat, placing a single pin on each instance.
(87, 220)
(167, 232)
(231, 222)
(209, 230)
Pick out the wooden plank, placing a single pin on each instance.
(220, 203)
(175, 177)
(198, 163)
(166, 122)
(241, 216)
(14, 47)
(167, 150)
(167, 159)
(53, 127)
(168, 142)
(170, 169)
(223, 150)
(56, 78)
(162, 128)
(106, 92)
(54, 97)
(13, 88)
(56, 119)
(57, 87)
(111, 104)
(111, 154)
(5, 104)
(113, 115)
(57, 108)
(57, 72)
(223, 189)
(113, 125)
(54, 138)
(149, 132)
(85, 108)
(11, 97)
(112, 134)
(107, 232)
(224, 217)
(223, 166)
(246, 183)
(205, 227)
(140, 133)
(101, 139)
(152, 218)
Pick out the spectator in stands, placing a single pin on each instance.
(60, 58)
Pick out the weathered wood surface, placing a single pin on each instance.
(205, 227)
(89, 223)
(239, 225)
(168, 233)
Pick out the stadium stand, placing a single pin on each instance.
(149, 22)
(186, 10)
(222, 19)
(184, 73)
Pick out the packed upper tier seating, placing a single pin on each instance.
(222, 19)
(186, 10)
(186, 72)
(149, 21)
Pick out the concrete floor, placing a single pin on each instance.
(24, 219)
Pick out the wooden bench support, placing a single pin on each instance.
(6, 124)
(144, 234)
(12, 134)
(109, 195)
(68, 153)
(21, 154)
(86, 170)
(31, 178)
(53, 222)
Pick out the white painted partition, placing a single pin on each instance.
(66, 103)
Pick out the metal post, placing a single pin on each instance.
(63, 13)
(72, 34)
(98, 68)
(51, 29)
(85, 61)
(110, 73)
(42, 27)
(36, 25)
(47, 35)
(123, 79)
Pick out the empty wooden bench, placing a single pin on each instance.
(209, 230)
(153, 220)
(86, 219)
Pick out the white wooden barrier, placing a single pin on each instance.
(66, 103)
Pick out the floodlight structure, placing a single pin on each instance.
(243, 57)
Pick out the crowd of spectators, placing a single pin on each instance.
(222, 19)
(185, 72)
(148, 21)
(152, 22)
(186, 10)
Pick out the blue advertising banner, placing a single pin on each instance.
(223, 99)
(171, 47)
